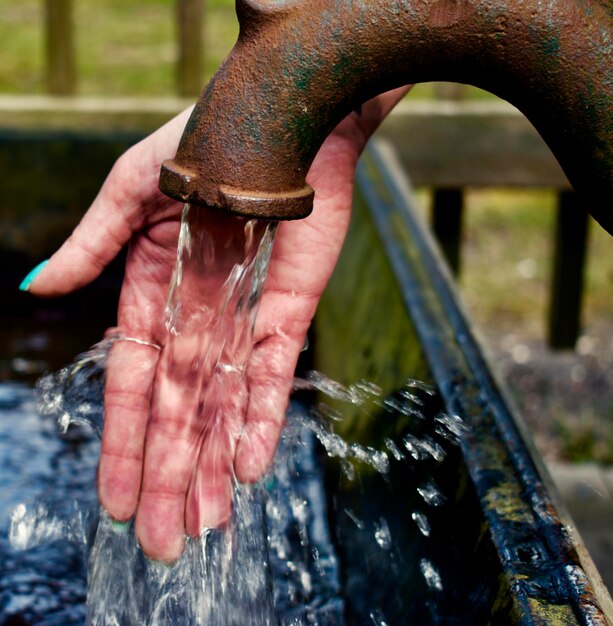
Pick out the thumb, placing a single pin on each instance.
(127, 201)
(94, 243)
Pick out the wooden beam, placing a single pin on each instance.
(441, 143)
(190, 64)
(61, 74)
(568, 269)
(473, 143)
(448, 203)
(87, 114)
(447, 212)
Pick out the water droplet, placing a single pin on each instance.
(377, 617)
(450, 427)
(422, 523)
(382, 534)
(433, 449)
(407, 395)
(394, 449)
(418, 384)
(431, 575)
(327, 411)
(431, 494)
(355, 519)
(414, 447)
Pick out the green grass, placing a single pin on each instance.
(508, 256)
(122, 47)
(21, 69)
(506, 232)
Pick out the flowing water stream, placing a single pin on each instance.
(280, 560)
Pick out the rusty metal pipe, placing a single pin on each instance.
(300, 66)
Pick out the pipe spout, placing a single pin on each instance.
(300, 66)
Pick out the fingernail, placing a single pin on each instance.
(120, 527)
(29, 279)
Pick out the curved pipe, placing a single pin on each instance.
(300, 66)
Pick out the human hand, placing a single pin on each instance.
(158, 459)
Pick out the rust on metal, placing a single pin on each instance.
(300, 66)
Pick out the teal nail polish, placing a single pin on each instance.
(29, 279)
(120, 527)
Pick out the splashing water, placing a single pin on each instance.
(422, 522)
(202, 397)
(431, 575)
(275, 561)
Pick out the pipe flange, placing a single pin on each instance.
(185, 185)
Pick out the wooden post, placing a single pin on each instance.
(567, 280)
(448, 203)
(447, 211)
(190, 64)
(59, 35)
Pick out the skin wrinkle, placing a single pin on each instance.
(114, 230)
(137, 393)
(123, 455)
(179, 427)
(115, 405)
(284, 291)
(130, 432)
(271, 380)
(167, 479)
(115, 402)
(261, 432)
(75, 241)
(185, 431)
(162, 491)
(164, 495)
(135, 454)
(130, 320)
(268, 326)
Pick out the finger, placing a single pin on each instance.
(296, 282)
(223, 405)
(129, 379)
(209, 498)
(270, 376)
(172, 445)
(126, 201)
(103, 231)
(374, 111)
(293, 288)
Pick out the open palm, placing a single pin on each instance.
(155, 462)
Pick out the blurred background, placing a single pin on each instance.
(81, 81)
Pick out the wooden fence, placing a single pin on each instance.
(450, 146)
(447, 145)
(61, 73)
